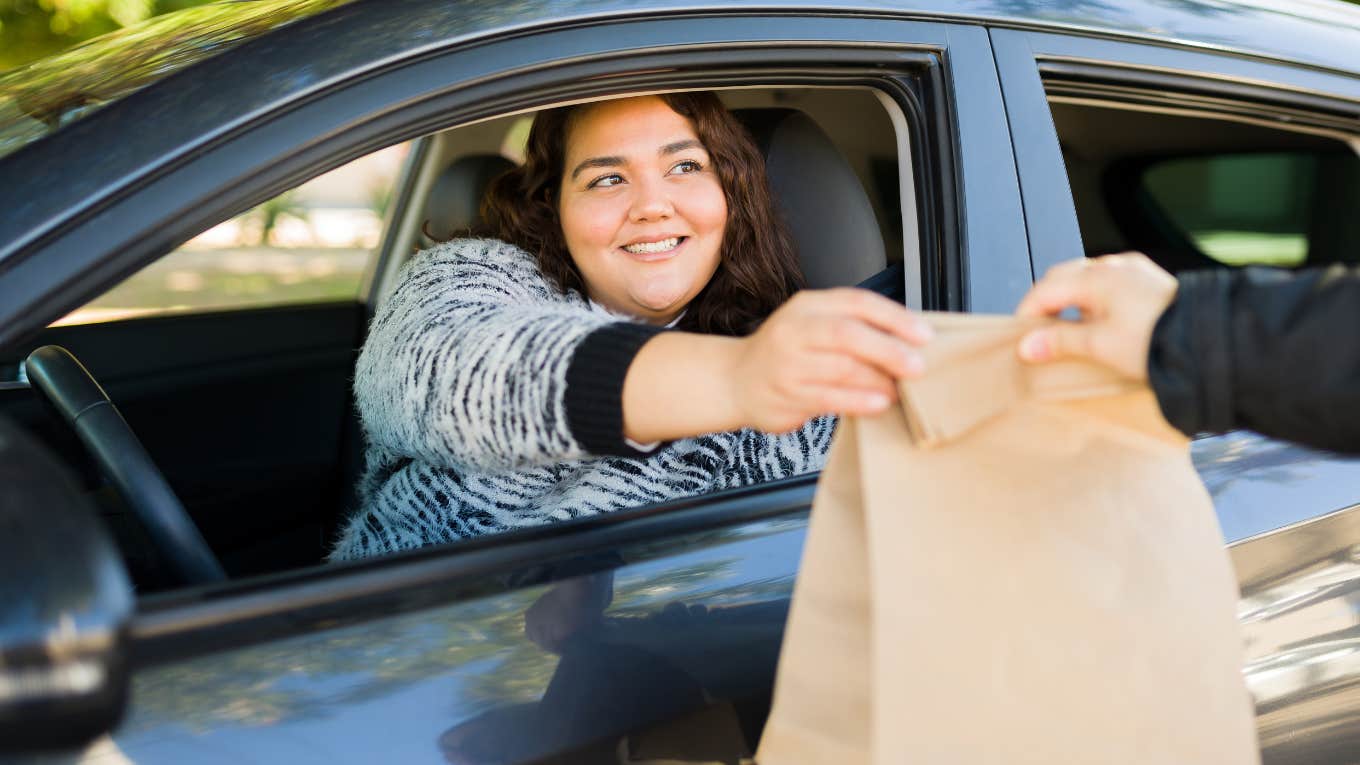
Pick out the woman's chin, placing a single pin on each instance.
(657, 308)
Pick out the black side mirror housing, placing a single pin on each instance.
(65, 604)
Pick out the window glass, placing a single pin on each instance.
(1195, 191)
(309, 244)
(1245, 209)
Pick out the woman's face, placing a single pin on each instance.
(642, 210)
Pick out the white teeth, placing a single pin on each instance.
(661, 246)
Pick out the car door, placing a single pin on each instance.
(1212, 125)
(424, 656)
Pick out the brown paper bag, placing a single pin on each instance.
(1019, 566)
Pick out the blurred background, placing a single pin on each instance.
(310, 244)
(32, 29)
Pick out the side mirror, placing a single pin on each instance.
(65, 603)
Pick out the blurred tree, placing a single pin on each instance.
(32, 29)
(271, 211)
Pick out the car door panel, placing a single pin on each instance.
(695, 621)
(1288, 513)
(1318, 483)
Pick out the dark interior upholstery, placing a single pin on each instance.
(825, 206)
(454, 203)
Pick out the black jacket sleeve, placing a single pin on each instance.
(1276, 352)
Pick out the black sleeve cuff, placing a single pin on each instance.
(594, 398)
(1190, 366)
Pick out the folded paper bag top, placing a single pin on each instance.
(1045, 583)
(975, 375)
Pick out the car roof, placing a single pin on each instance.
(41, 97)
(264, 65)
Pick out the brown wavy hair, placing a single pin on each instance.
(758, 267)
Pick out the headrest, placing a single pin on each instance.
(825, 206)
(455, 199)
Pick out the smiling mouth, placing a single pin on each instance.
(652, 248)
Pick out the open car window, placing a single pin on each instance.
(252, 326)
(311, 244)
(1204, 190)
(1268, 208)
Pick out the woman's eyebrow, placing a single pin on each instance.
(596, 162)
(670, 148)
(688, 143)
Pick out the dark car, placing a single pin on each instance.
(202, 214)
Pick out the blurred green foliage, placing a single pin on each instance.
(32, 29)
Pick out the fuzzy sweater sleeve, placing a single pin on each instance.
(469, 362)
(761, 457)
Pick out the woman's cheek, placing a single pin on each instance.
(713, 205)
(600, 220)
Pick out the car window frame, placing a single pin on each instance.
(1025, 57)
(972, 126)
(282, 150)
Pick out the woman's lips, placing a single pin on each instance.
(661, 249)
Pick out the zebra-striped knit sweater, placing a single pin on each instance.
(490, 401)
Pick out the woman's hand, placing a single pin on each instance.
(1120, 298)
(826, 351)
(822, 352)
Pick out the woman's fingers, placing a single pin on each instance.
(838, 351)
(868, 345)
(844, 371)
(881, 312)
(837, 400)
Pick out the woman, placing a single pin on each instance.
(526, 378)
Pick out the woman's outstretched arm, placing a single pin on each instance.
(474, 362)
(824, 351)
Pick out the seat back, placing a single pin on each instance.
(824, 204)
(455, 200)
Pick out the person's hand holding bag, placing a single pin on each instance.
(1120, 298)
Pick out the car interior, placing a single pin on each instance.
(1198, 190)
(246, 412)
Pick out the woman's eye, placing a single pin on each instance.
(687, 166)
(604, 181)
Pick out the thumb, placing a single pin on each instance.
(1062, 339)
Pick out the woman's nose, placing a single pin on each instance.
(651, 202)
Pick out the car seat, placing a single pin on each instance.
(824, 204)
(454, 203)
